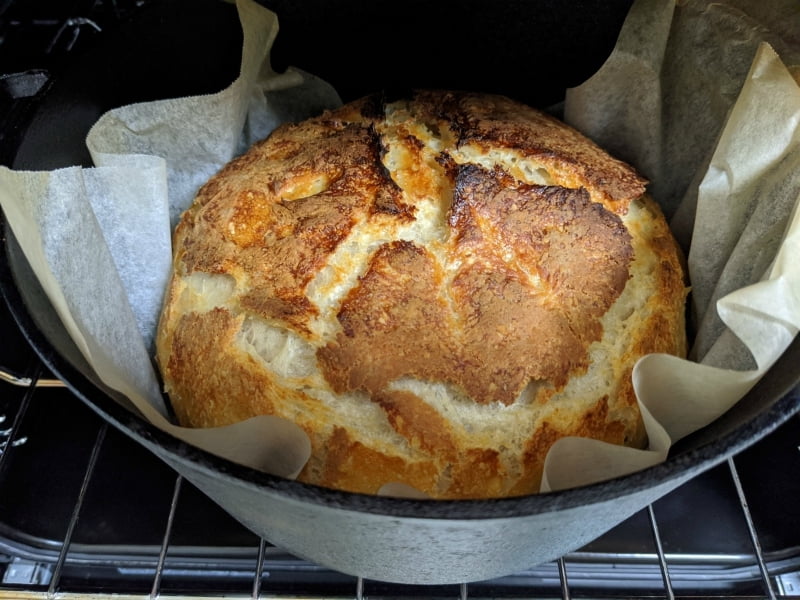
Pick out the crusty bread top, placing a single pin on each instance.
(508, 258)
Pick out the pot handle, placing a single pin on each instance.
(9, 376)
(18, 93)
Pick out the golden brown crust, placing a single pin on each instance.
(395, 301)
(435, 290)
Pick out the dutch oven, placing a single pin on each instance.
(191, 47)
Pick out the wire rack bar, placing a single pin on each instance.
(751, 529)
(162, 555)
(76, 511)
(562, 576)
(259, 569)
(662, 558)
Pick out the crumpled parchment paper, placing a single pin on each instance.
(717, 134)
(99, 239)
(697, 98)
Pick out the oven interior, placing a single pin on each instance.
(85, 511)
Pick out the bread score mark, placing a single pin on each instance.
(274, 234)
(398, 320)
(569, 159)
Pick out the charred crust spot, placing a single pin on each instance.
(414, 142)
(387, 201)
(388, 195)
(373, 107)
(449, 166)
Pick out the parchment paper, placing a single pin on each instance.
(697, 98)
(99, 239)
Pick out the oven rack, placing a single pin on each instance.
(80, 564)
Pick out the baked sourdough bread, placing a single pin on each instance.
(435, 288)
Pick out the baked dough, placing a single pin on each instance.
(435, 288)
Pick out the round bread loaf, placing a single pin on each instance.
(435, 288)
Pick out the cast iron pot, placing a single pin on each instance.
(182, 48)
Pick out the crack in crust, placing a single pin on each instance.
(506, 332)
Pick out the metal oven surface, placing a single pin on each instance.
(85, 511)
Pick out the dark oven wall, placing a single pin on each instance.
(532, 51)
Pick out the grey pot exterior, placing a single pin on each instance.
(416, 550)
